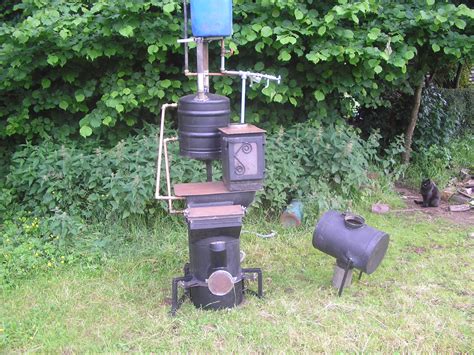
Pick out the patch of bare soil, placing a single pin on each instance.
(460, 218)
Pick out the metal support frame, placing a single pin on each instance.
(203, 74)
(175, 301)
(162, 148)
(209, 170)
(184, 282)
(201, 49)
(349, 266)
(257, 271)
(185, 30)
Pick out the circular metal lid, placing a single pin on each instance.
(220, 283)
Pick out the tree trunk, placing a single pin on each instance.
(413, 118)
(457, 80)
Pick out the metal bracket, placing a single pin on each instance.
(259, 274)
(175, 302)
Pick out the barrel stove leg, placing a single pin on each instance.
(360, 275)
(259, 273)
(346, 272)
(209, 170)
(175, 302)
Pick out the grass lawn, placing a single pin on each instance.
(420, 298)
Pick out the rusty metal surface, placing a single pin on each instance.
(214, 211)
(234, 129)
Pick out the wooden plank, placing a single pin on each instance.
(214, 211)
(459, 208)
(200, 188)
(241, 129)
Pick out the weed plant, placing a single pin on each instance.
(441, 163)
(329, 164)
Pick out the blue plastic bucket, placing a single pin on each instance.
(211, 18)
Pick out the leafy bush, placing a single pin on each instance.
(444, 115)
(308, 159)
(98, 64)
(440, 121)
(461, 103)
(118, 182)
(90, 182)
(441, 163)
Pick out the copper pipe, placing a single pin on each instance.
(168, 178)
(162, 146)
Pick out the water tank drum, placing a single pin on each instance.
(347, 238)
(198, 124)
(211, 18)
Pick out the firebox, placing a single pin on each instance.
(213, 278)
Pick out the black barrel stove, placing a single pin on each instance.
(213, 278)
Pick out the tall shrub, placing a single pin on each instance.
(91, 65)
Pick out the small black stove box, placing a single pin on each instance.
(243, 157)
(214, 252)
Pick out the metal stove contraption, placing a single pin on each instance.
(213, 278)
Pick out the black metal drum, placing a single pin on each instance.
(198, 123)
(347, 238)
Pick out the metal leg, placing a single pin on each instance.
(175, 302)
(360, 275)
(346, 271)
(259, 273)
(209, 170)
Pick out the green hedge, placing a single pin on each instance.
(96, 64)
(461, 102)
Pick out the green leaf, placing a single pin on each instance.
(119, 108)
(461, 24)
(329, 18)
(107, 120)
(168, 8)
(430, 2)
(266, 31)
(399, 62)
(165, 83)
(293, 101)
(64, 105)
(95, 121)
(313, 57)
(259, 66)
(298, 14)
(409, 55)
(278, 98)
(284, 56)
(153, 49)
(373, 63)
(378, 69)
(80, 97)
(52, 59)
(322, 30)
(435, 47)
(319, 95)
(85, 131)
(374, 33)
(45, 83)
(127, 31)
(64, 33)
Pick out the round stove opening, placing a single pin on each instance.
(220, 283)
